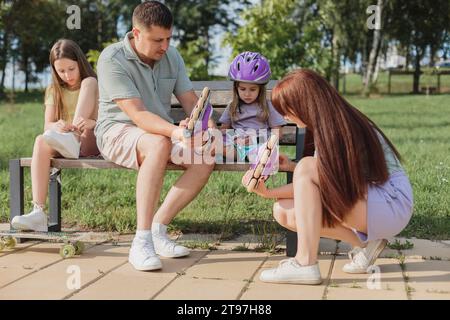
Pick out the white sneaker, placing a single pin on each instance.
(36, 220)
(63, 142)
(290, 271)
(167, 248)
(142, 256)
(363, 258)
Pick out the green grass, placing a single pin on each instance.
(105, 199)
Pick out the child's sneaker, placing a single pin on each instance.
(266, 164)
(36, 220)
(363, 258)
(290, 271)
(63, 142)
(143, 256)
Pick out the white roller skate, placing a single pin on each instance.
(266, 163)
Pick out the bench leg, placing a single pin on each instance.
(291, 237)
(16, 201)
(55, 202)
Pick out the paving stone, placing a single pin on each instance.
(428, 279)
(127, 283)
(388, 285)
(259, 290)
(54, 282)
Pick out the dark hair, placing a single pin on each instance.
(65, 48)
(350, 155)
(152, 13)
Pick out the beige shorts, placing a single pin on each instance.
(120, 145)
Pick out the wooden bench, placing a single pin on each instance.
(221, 94)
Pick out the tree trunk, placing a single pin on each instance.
(416, 83)
(373, 57)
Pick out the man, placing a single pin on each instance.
(136, 80)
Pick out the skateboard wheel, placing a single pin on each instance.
(252, 184)
(10, 242)
(259, 169)
(272, 141)
(67, 251)
(79, 247)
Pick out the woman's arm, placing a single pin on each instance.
(51, 124)
(283, 192)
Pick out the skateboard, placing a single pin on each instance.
(74, 242)
(266, 163)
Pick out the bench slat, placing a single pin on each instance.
(100, 163)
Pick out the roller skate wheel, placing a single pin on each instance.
(67, 251)
(252, 185)
(264, 157)
(10, 242)
(205, 92)
(191, 125)
(196, 113)
(79, 247)
(272, 142)
(259, 169)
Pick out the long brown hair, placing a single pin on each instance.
(350, 155)
(65, 48)
(261, 100)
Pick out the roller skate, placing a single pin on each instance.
(266, 164)
(200, 115)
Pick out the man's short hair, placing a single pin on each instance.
(152, 13)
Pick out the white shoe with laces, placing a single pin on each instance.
(63, 142)
(290, 271)
(165, 247)
(363, 258)
(143, 256)
(36, 220)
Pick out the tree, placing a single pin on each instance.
(194, 23)
(286, 32)
(418, 25)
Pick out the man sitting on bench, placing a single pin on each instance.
(137, 77)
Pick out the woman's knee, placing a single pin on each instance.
(279, 213)
(306, 169)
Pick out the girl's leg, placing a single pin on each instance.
(87, 109)
(40, 167)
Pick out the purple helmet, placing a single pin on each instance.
(250, 67)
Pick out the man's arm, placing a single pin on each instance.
(144, 119)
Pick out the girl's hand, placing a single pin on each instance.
(63, 126)
(82, 124)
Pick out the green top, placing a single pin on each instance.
(122, 75)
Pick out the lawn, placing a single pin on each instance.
(104, 199)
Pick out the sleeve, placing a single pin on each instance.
(275, 119)
(115, 81)
(48, 99)
(183, 82)
(225, 118)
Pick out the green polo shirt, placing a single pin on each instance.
(122, 75)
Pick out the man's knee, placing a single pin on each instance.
(154, 145)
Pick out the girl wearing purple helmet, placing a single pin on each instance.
(249, 113)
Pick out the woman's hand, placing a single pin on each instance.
(63, 126)
(82, 124)
(260, 189)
